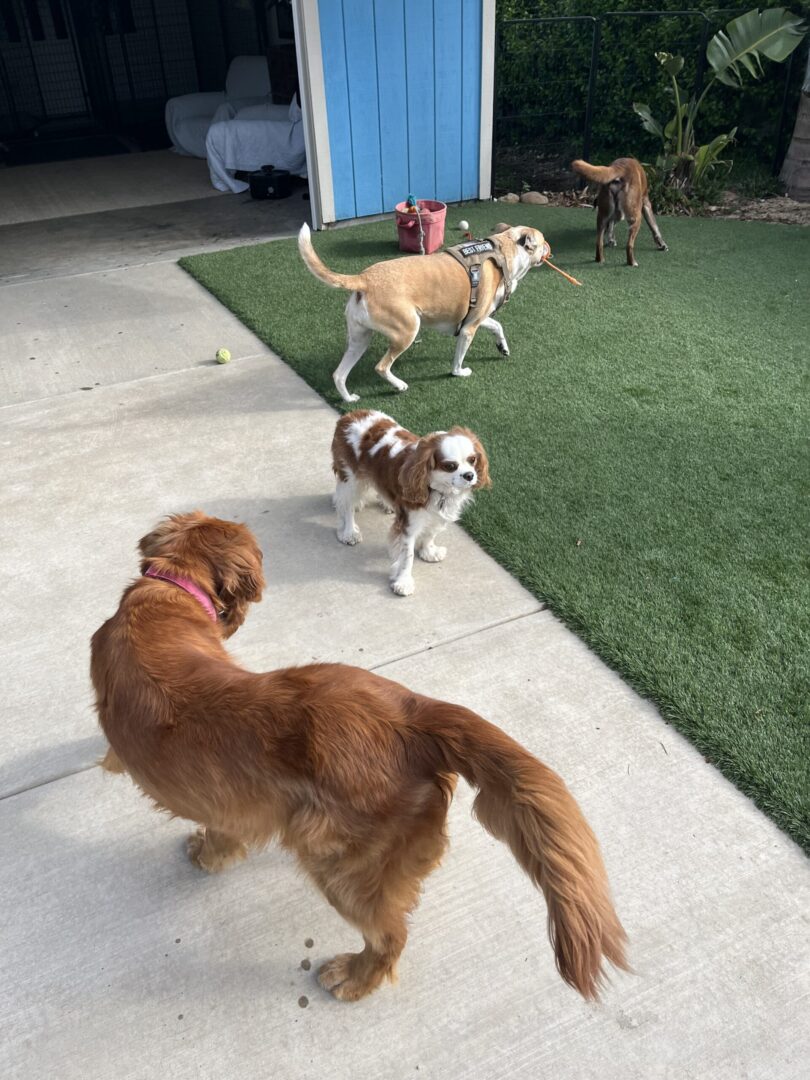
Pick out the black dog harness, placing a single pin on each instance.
(471, 255)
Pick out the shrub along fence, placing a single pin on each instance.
(565, 84)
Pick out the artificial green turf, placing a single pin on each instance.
(646, 444)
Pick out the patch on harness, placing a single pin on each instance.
(477, 247)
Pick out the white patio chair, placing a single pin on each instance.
(189, 116)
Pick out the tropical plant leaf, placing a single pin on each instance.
(666, 163)
(648, 121)
(773, 33)
(706, 157)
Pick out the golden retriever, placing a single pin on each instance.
(349, 770)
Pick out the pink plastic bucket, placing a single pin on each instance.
(431, 215)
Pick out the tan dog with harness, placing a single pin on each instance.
(453, 291)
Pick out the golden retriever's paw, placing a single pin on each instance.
(213, 856)
(339, 977)
(463, 372)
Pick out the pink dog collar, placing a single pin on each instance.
(187, 586)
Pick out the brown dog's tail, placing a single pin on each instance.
(526, 805)
(316, 267)
(597, 174)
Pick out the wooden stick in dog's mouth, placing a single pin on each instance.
(547, 262)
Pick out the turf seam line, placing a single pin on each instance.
(48, 780)
(30, 279)
(131, 382)
(459, 637)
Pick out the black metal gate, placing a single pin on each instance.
(564, 88)
(40, 68)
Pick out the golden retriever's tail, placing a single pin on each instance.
(525, 804)
(316, 267)
(597, 174)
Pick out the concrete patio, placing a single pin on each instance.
(119, 959)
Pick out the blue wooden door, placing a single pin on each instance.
(403, 100)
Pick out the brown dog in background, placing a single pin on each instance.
(623, 193)
(351, 771)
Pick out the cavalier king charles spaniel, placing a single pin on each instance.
(350, 771)
(426, 482)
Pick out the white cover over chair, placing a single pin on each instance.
(189, 116)
(257, 135)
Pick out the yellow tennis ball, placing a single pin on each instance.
(223, 356)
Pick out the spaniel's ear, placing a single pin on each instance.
(414, 477)
(481, 464)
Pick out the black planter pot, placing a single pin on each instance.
(270, 183)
